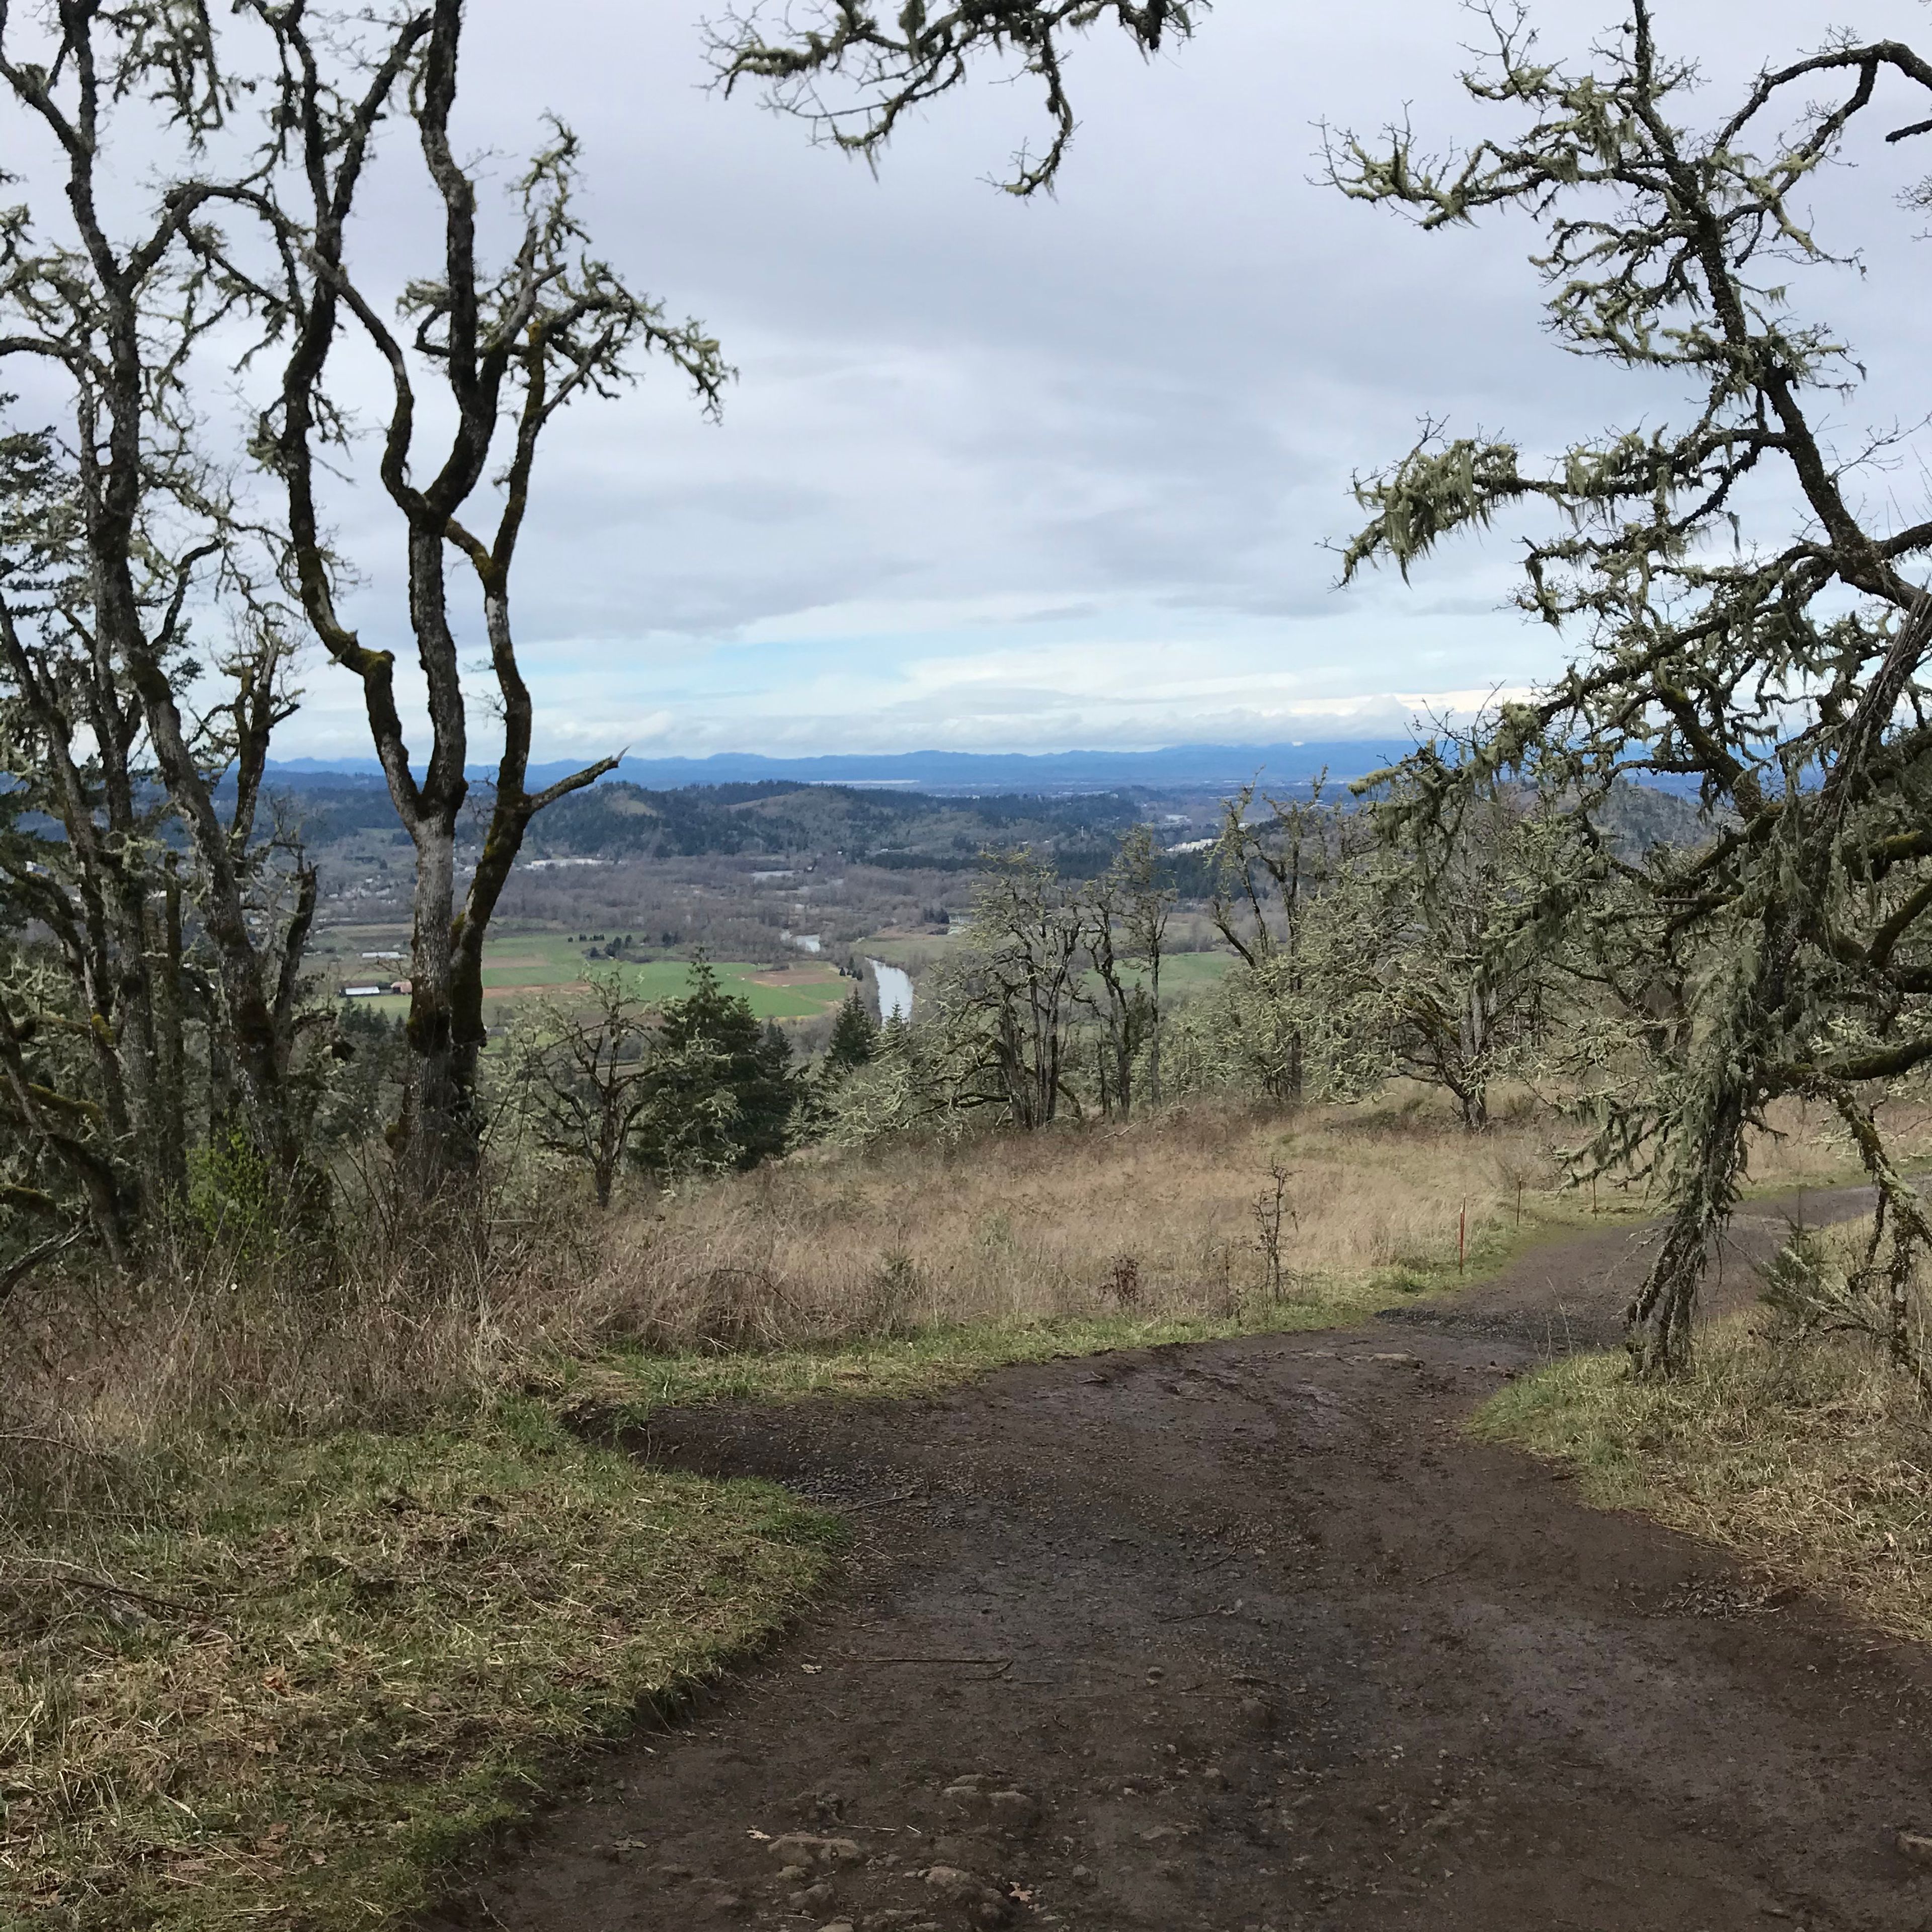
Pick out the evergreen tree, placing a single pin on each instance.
(722, 1088)
(769, 1098)
(855, 1035)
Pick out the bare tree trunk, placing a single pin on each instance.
(1154, 1025)
(171, 1057)
(519, 342)
(436, 1134)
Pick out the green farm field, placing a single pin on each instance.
(1184, 972)
(552, 965)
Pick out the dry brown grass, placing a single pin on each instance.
(1153, 1221)
(297, 1591)
(1793, 1439)
(1166, 1216)
(264, 1337)
(1157, 1218)
(298, 1595)
(1807, 1145)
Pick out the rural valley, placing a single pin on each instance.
(1073, 1074)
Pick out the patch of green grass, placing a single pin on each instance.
(338, 1662)
(1811, 1462)
(623, 1389)
(1183, 972)
(668, 979)
(1585, 1411)
(545, 960)
(552, 965)
(915, 954)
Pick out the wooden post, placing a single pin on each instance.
(1462, 1237)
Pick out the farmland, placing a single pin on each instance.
(541, 964)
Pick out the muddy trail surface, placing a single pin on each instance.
(1249, 1635)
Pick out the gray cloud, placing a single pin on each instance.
(1126, 418)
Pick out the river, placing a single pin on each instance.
(895, 985)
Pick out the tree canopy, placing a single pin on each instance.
(1779, 672)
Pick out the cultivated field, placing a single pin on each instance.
(543, 964)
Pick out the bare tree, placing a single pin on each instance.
(1124, 916)
(587, 1080)
(506, 348)
(1269, 869)
(115, 527)
(1784, 673)
(853, 78)
(1432, 947)
(1022, 966)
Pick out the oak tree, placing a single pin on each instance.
(1778, 671)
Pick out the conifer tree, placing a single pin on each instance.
(721, 1089)
(855, 1034)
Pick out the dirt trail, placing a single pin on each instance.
(1245, 1636)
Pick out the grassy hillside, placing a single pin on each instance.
(297, 1681)
(294, 1606)
(300, 1592)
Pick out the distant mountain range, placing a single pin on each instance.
(1173, 768)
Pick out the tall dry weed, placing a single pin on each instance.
(1160, 1216)
(398, 1315)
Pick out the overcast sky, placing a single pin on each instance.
(1007, 476)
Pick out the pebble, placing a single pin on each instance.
(1015, 1810)
(1916, 1845)
(800, 1849)
(982, 1903)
